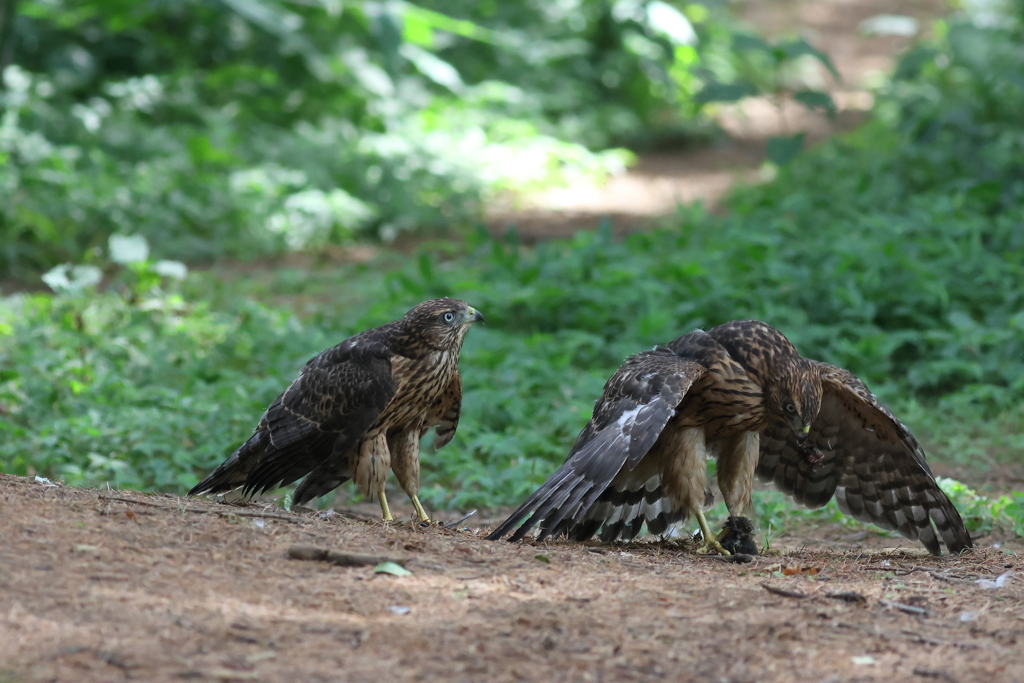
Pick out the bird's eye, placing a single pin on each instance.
(790, 408)
(448, 317)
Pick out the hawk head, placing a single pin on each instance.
(794, 395)
(441, 323)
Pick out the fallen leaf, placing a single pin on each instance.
(790, 571)
(542, 558)
(863, 661)
(391, 568)
(399, 609)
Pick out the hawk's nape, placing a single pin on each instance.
(358, 410)
(869, 461)
(742, 394)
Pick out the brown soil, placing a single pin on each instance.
(109, 586)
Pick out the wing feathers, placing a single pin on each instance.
(637, 403)
(868, 460)
(336, 398)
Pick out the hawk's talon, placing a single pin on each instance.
(713, 546)
(711, 543)
(420, 512)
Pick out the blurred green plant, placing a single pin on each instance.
(896, 252)
(243, 127)
(788, 69)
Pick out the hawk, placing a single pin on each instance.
(358, 410)
(741, 393)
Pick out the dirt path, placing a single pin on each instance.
(163, 589)
(658, 182)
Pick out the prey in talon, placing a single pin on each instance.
(737, 536)
(811, 454)
(358, 411)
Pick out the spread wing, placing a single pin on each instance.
(859, 452)
(320, 416)
(638, 401)
(444, 414)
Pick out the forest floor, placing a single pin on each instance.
(116, 585)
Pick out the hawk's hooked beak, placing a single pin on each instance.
(801, 434)
(474, 316)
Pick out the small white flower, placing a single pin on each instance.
(172, 269)
(69, 279)
(127, 249)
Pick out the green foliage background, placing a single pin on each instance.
(896, 251)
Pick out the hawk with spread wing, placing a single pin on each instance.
(359, 410)
(741, 393)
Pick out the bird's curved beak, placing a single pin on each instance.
(474, 316)
(802, 432)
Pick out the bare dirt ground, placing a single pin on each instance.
(654, 187)
(110, 586)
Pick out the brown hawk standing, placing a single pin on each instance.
(358, 410)
(742, 393)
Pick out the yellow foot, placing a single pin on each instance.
(711, 543)
(713, 546)
(384, 509)
(419, 509)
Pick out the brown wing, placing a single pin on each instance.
(859, 452)
(445, 412)
(638, 401)
(318, 418)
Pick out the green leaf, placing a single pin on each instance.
(913, 61)
(724, 92)
(417, 30)
(443, 22)
(434, 68)
(542, 558)
(792, 49)
(815, 99)
(391, 568)
(748, 42)
(782, 150)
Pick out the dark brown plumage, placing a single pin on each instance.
(742, 393)
(358, 410)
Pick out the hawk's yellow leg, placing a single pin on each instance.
(710, 540)
(384, 509)
(424, 517)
